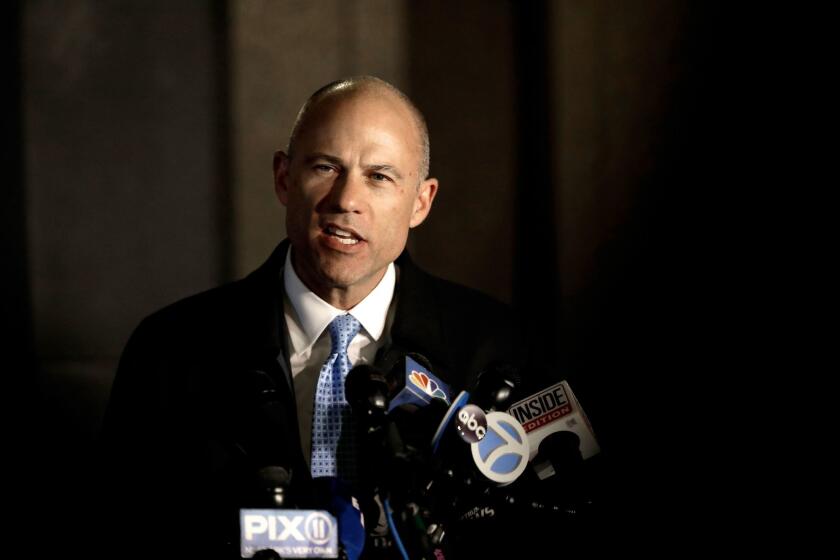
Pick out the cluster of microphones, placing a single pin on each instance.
(435, 471)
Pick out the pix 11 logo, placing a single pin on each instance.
(290, 533)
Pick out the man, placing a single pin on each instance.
(186, 427)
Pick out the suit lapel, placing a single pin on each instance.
(262, 348)
(417, 326)
(261, 318)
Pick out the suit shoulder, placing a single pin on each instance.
(459, 298)
(219, 315)
(194, 310)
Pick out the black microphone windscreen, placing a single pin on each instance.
(274, 476)
(495, 387)
(359, 382)
(561, 448)
(264, 415)
(367, 394)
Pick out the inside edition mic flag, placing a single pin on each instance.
(552, 410)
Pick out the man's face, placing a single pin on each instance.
(352, 192)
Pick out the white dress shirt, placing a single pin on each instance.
(307, 318)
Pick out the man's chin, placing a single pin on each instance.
(340, 280)
(346, 278)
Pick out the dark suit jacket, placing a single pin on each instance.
(181, 436)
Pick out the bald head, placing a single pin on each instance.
(356, 87)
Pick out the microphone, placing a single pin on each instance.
(264, 415)
(498, 447)
(552, 410)
(567, 491)
(280, 520)
(481, 500)
(495, 387)
(336, 496)
(396, 414)
(368, 393)
(273, 486)
(411, 381)
(394, 438)
(561, 451)
(276, 529)
(473, 453)
(561, 441)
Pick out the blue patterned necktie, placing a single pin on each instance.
(331, 408)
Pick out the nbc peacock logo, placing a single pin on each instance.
(428, 385)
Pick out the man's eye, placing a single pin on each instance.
(379, 177)
(323, 168)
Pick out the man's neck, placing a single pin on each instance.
(313, 312)
(344, 298)
(340, 297)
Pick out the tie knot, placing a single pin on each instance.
(342, 330)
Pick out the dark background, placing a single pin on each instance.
(588, 154)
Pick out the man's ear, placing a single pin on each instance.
(281, 176)
(423, 202)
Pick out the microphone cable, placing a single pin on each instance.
(393, 527)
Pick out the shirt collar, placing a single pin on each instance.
(315, 314)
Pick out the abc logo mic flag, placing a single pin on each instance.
(502, 454)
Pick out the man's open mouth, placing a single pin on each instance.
(344, 236)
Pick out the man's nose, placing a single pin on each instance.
(347, 193)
